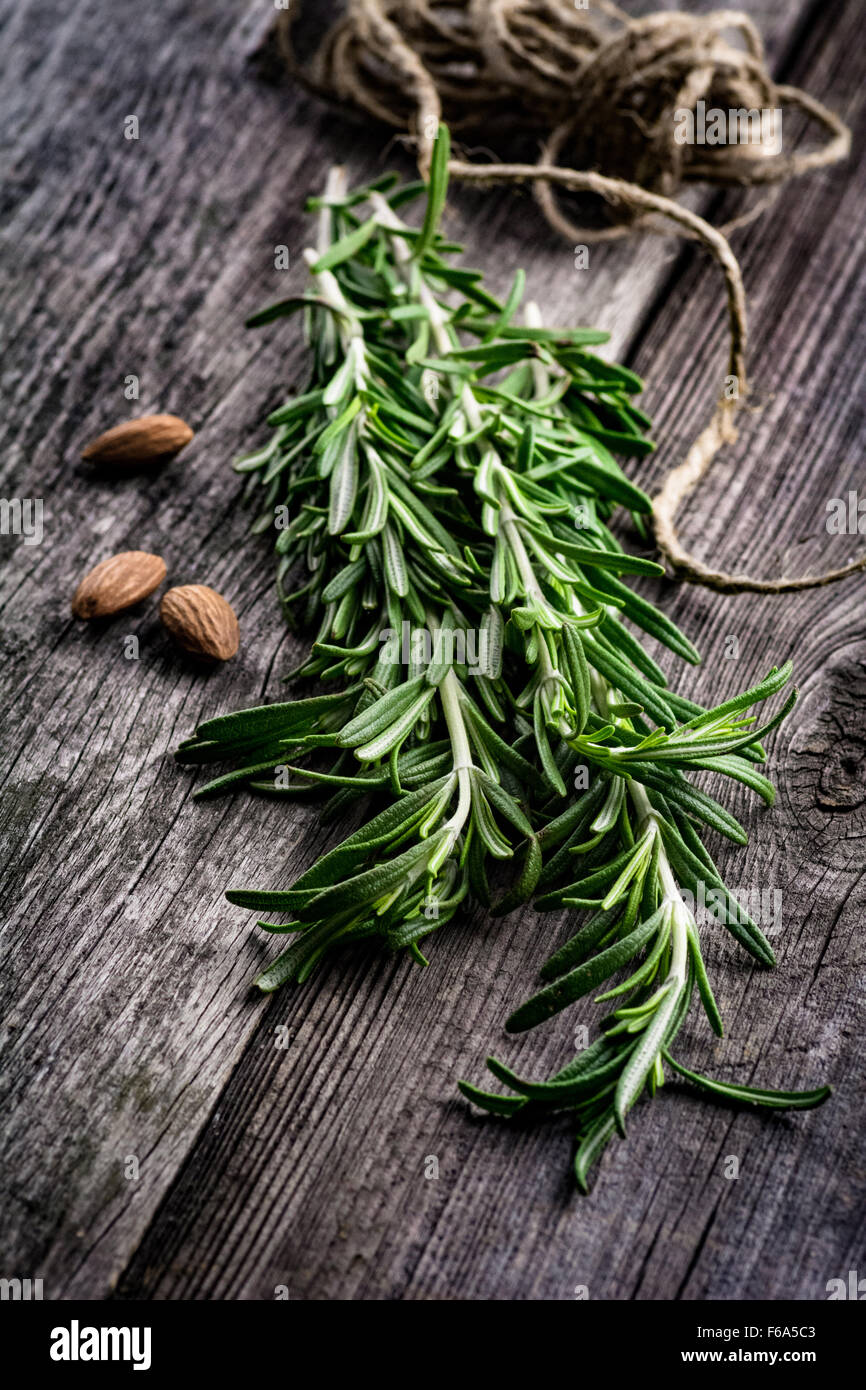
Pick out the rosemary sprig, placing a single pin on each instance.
(445, 482)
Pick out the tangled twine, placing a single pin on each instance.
(601, 90)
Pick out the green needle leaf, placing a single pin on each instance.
(585, 978)
(751, 1095)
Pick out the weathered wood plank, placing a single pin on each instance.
(690, 1233)
(127, 1022)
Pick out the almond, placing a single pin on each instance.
(118, 583)
(201, 621)
(144, 440)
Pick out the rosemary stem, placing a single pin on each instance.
(509, 524)
(647, 817)
(679, 916)
(331, 292)
(335, 188)
(444, 341)
(461, 751)
(442, 335)
(508, 521)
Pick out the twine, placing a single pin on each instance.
(601, 90)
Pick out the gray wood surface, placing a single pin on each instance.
(128, 1028)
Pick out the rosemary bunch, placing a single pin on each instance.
(444, 483)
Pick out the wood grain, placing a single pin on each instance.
(128, 1027)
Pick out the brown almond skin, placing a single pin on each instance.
(146, 440)
(117, 583)
(201, 621)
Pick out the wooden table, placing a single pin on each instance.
(129, 1030)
